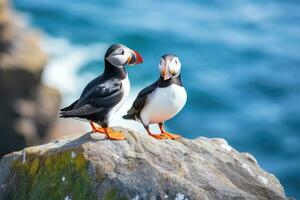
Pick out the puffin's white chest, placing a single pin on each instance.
(126, 90)
(163, 104)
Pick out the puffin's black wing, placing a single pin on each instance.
(140, 101)
(90, 85)
(100, 97)
(70, 107)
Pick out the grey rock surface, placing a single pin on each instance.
(91, 167)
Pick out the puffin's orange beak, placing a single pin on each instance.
(135, 58)
(166, 74)
(139, 58)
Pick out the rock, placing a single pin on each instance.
(139, 168)
(28, 107)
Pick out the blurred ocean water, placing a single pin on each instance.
(241, 64)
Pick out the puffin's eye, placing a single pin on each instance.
(122, 51)
(173, 72)
(176, 61)
(161, 62)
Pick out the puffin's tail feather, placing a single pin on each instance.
(62, 115)
(129, 117)
(70, 107)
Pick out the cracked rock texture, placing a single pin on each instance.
(90, 167)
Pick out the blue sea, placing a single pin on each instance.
(240, 64)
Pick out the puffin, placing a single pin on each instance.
(161, 100)
(104, 95)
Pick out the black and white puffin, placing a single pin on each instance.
(161, 100)
(105, 94)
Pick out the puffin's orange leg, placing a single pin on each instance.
(110, 133)
(156, 136)
(169, 135)
(97, 129)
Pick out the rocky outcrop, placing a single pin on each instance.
(27, 107)
(86, 167)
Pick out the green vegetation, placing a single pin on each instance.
(112, 194)
(51, 176)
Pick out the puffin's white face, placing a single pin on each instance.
(120, 56)
(169, 66)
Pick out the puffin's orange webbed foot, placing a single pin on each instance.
(171, 135)
(110, 133)
(159, 136)
(115, 135)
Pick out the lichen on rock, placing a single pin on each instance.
(39, 177)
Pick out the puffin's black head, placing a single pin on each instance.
(169, 66)
(119, 55)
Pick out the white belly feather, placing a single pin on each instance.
(163, 104)
(126, 90)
